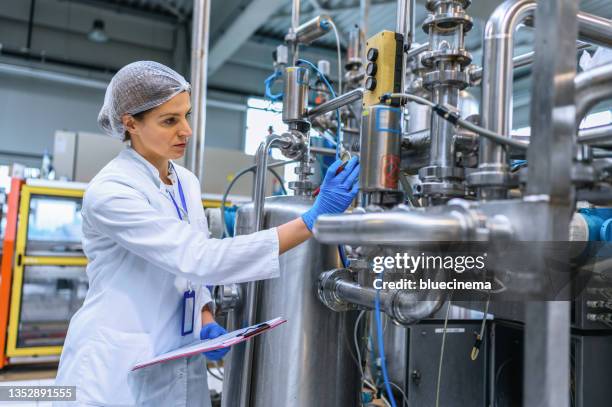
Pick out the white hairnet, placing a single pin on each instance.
(137, 87)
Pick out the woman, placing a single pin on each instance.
(146, 239)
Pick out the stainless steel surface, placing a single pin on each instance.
(519, 61)
(199, 80)
(405, 26)
(595, 29)
(381, 137)
(442, 150)
(404, 307)
(445, 75)
(595, 135)
(496, 107)
(295, 99)
(336, 103)
(253, 289)
(312, 29)
(404, 20)
(592, 86)
(417, 50)
(553, 120)
(305, 362)
(295, 15)
(392, 227)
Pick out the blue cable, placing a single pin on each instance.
(331, 90)
(381, 348)
(345, 261)
(275, 97)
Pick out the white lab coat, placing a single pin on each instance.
(140, 259)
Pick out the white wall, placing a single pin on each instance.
(31, 110)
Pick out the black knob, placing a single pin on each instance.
(371, 69)
(370, 83)
(372, 54)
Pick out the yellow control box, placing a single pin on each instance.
(384, 52)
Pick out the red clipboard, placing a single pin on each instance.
(223, 341)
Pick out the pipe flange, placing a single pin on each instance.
(326, 289)
(492, 178)
(440, 189)
(301, 186)
(227, 297)
(293, 145)
(433, 4)
(455, 78)
(461, 56)
(448, 21)
(434, 173)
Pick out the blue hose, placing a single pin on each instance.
(381, 348)
(275, 97)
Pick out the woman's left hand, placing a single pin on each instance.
(213, 330)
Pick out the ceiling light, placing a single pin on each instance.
(97, 33)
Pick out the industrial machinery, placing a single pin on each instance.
(438, 174)
(43, 269)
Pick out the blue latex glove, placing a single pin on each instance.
(337, 191)
(213, 330)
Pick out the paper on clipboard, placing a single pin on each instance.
(223, 341)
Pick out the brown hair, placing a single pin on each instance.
(138, 116)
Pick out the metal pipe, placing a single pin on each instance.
(403, 22)
(364, 14)
(295, 15)
(592, 87)
(595, 135)
(404, 26)
(496, 112)
(199, 70)
(519, 61)
(336, 103)
(595, 29)
(393, 227)
(322, 150)
(443, 131)
(417, 50)
(253, 288)
(404, 307)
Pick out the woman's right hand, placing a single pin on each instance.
(337, 191)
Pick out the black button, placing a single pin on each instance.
(372, 54)
(371, 69)
(370, 83)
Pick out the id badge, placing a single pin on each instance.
(188, 312)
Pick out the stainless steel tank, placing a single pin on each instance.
(306, 361)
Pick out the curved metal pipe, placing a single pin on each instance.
(253, 288)
(496, 107)
(595, 29)
(404, 307)
(600, 135)
(592, 87)
(393, 227)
